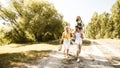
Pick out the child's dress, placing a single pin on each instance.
(66, 40)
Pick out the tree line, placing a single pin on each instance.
(105, 25)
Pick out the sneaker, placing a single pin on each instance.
(66, 56)
(78, 59)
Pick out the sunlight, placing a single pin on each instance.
(60, 56)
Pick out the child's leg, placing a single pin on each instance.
(67, 47)
(67, 52)
(64, 51)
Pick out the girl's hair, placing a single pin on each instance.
(66, 27)
(78, 18)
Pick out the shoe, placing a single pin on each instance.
(78, 59)
(67, 56)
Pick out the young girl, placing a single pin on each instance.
(80, 24)
(66, 40)
(78, 40)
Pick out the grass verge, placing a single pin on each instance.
(57, 42)
(86, 42)
(14, 59)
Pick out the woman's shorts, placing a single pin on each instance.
(78, 41)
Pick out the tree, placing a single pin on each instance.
(116, 19)
(92, 28)
(32, 20)
(105, 25)
(103, 20)
(109, 28)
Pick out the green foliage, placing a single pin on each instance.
(116, 19)
(3, 39)
(93, 28)
(105, 25)
(32, 20)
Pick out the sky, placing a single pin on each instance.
(84, 8)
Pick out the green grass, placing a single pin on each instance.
(7, 59)
(54, 42)
(57, 42)
(86, 42)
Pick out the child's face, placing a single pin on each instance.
(67, 29)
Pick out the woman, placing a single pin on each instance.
(66, 40)
(78, 35)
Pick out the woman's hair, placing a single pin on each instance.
(78, 18)
(76, 27)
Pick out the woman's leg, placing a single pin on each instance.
(79, 49)
(78, 52)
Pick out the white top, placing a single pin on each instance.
(78, 39)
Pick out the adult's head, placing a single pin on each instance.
(77, 28)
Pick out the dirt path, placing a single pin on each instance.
(94, 56)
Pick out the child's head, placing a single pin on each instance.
(78, 18)
(66, 28)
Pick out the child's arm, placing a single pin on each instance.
(62, 37)
(74, 34)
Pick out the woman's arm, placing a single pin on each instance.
(81, 34)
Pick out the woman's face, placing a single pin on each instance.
(77, 29)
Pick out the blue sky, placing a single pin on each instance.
(84, 8)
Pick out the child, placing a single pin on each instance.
(78, 40)
(66, 40)
(80, 24)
